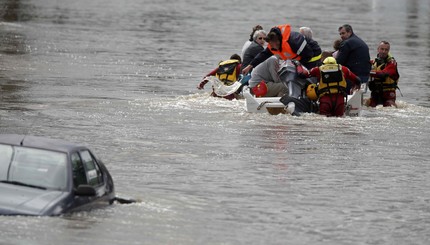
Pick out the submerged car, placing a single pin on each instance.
(42, 176)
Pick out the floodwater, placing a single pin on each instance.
(120, 76)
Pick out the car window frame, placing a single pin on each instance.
(74, 183)
(101, 178)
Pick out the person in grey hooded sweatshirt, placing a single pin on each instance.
(268, 72)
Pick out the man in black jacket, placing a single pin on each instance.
(354, 54)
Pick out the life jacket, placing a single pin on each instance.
(381, 84)
(227, 71)
(285, 53)
(332, 80)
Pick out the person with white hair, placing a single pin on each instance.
(306, 31)
(255, 47)
(251, 39)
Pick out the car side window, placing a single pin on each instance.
(79, 176)
(94, 174)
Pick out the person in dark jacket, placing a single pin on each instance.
(286, 44)
(251, 38)
(255, 47)
(354, 54)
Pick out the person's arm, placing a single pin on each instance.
(301, 46)
(315, 72)
(238, 70)
(212, 73)
(352, 77)
(261, 57)
(389, 70)
(202, 84)
(343, 53)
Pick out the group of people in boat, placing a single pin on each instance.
(338, 72)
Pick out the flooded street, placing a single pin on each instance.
(121, 78)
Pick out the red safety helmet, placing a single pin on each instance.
(260, 90)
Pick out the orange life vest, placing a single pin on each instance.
(286, 53)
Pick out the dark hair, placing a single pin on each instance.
(326, 54)
(236, 57)
(336, 44)
(348, 28)
(274, 34)
(254, 29)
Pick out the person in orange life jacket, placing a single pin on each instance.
(287, 44)
(354, 54)
(331, 88)
(235, 59)
(385, 77)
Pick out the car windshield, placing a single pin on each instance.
(33, 167)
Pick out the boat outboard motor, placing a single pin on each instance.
(296, 87)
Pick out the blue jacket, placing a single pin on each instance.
(354, 54)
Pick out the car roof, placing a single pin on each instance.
(39, 142)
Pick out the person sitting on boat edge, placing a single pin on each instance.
(251, 39)
(253, 50)
(227, 71)
(354, 54)
(255, 47)
(384, 77)
(265, 81)
(286, 44)
(331, 87)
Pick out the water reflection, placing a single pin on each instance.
(12, 44)
(416, 20)
(412, 25)
(10, 90)
(10, 10)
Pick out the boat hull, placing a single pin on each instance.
(272, 105)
